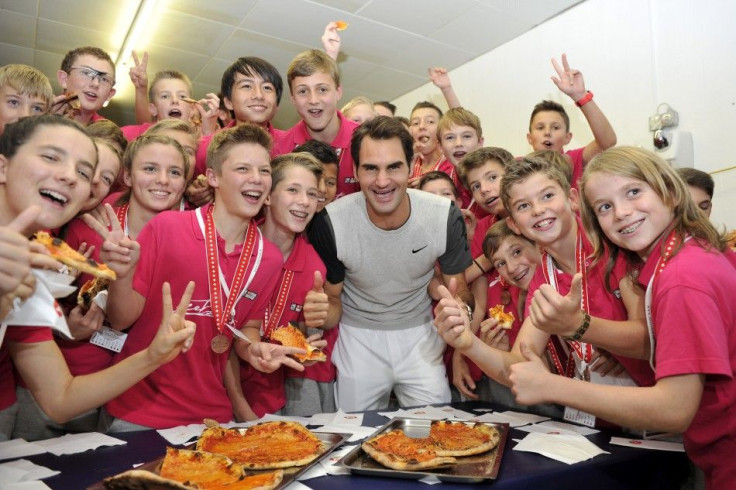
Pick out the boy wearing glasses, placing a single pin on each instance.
(88, 73)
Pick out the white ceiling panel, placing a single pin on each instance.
(226, 11)
(386, 49)
(422, 18)
(18, 29)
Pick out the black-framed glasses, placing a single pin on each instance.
(91, 74)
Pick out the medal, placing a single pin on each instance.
(505, 297)
(220, 344)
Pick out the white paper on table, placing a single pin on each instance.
(430, 480)
(455, 413)
(514, 419)
(17, 448)
(31, 470)
(428, 412)
(342, 418)
(295, 485)
(567, 448)
(9, 474)
(649, 444)
(327, 466)
(552, 427)
(321, 418)
(78, 443)
(394, 414)
(25, 485)
(181, 434)
(269, 417)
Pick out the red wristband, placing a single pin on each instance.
(584, 99)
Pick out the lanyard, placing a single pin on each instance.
(661, 263)
(417, 171)
(583, 350)
(122, 214)
(217, 283)
(273, 315)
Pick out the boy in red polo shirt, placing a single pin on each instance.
(236, 270)
(88, 73)
(314, 82)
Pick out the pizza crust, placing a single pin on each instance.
(410, 454)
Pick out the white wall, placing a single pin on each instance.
(634, 55)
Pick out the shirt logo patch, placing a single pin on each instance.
(296, 307)
(251, 295)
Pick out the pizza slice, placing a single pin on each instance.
(291, 336)
(398, 451)
(263, 446)
(89, 290)
(65, 254)
(505, 320)
(461, 439)
(183, 469)
(341, 25)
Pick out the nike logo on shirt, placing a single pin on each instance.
(415, 250)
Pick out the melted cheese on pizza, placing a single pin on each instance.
(291, 336)
(457, 436)
(409, 449)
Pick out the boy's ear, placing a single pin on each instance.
(480, 141)
(3, 169)
(574, 200)
(512, 224)
(568, 138)
(61, 77)
(529, 139)
(339, 92)
(212, 178)
(109, 96)
(126, 178)
(228, 103)
(152, 109)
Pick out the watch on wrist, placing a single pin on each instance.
(470, 312)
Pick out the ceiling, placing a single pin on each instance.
(386, 49)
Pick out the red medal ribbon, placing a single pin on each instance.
(418, 161)
(122, 214)
(273, 317)
(213, 271)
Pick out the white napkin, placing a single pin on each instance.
(649, 444)
(568, 448)
(181, 434)
(40, 310)
(78, 443)
(60, 284)
(430, 480)
(295, 485)
(551, 427)
(514, 419)
(25, 485)
(24, 470)
(17, 448)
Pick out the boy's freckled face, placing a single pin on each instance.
(315, 98)
(458, 141)
(167, 102)
(53, 170)
(14, 105)
(92, 93)
(485, 184)
(548, 131)
(516, 260)
(541, 209)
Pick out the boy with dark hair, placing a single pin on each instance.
(314, 82)
(549, 125)
(239, 170)
(385, 108)
(701, 187)
(380, 298)
(24, 91)
(89, 73)
(330, 166)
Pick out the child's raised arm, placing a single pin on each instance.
(570, 82)
(139, 77)
(441, 79)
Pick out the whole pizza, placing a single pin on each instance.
(264, 446)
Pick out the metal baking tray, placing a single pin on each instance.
(468, 469)
(331, 440)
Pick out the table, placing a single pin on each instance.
(624, 468)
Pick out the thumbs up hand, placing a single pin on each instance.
(556, 314)
(529, 378)
(316, 303)
(451, 318)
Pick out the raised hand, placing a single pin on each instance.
(208, 109)
(15, 250)
(331, 40)
(528, 378)
(568, 80)
(553, 313)
(439, 77)
(451, 318)
(118, 251)
(316, 303)
(138, 73)
(199, 193)
(175, 334)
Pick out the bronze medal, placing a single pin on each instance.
(219, 344)
(505, 297)
(586, 374)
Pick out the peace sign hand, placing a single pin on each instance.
(568, 80)
(118, 251)
(138, 74)
(175, 334)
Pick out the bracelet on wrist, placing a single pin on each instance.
(584, 99)
(479, 266)
(582, 328)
